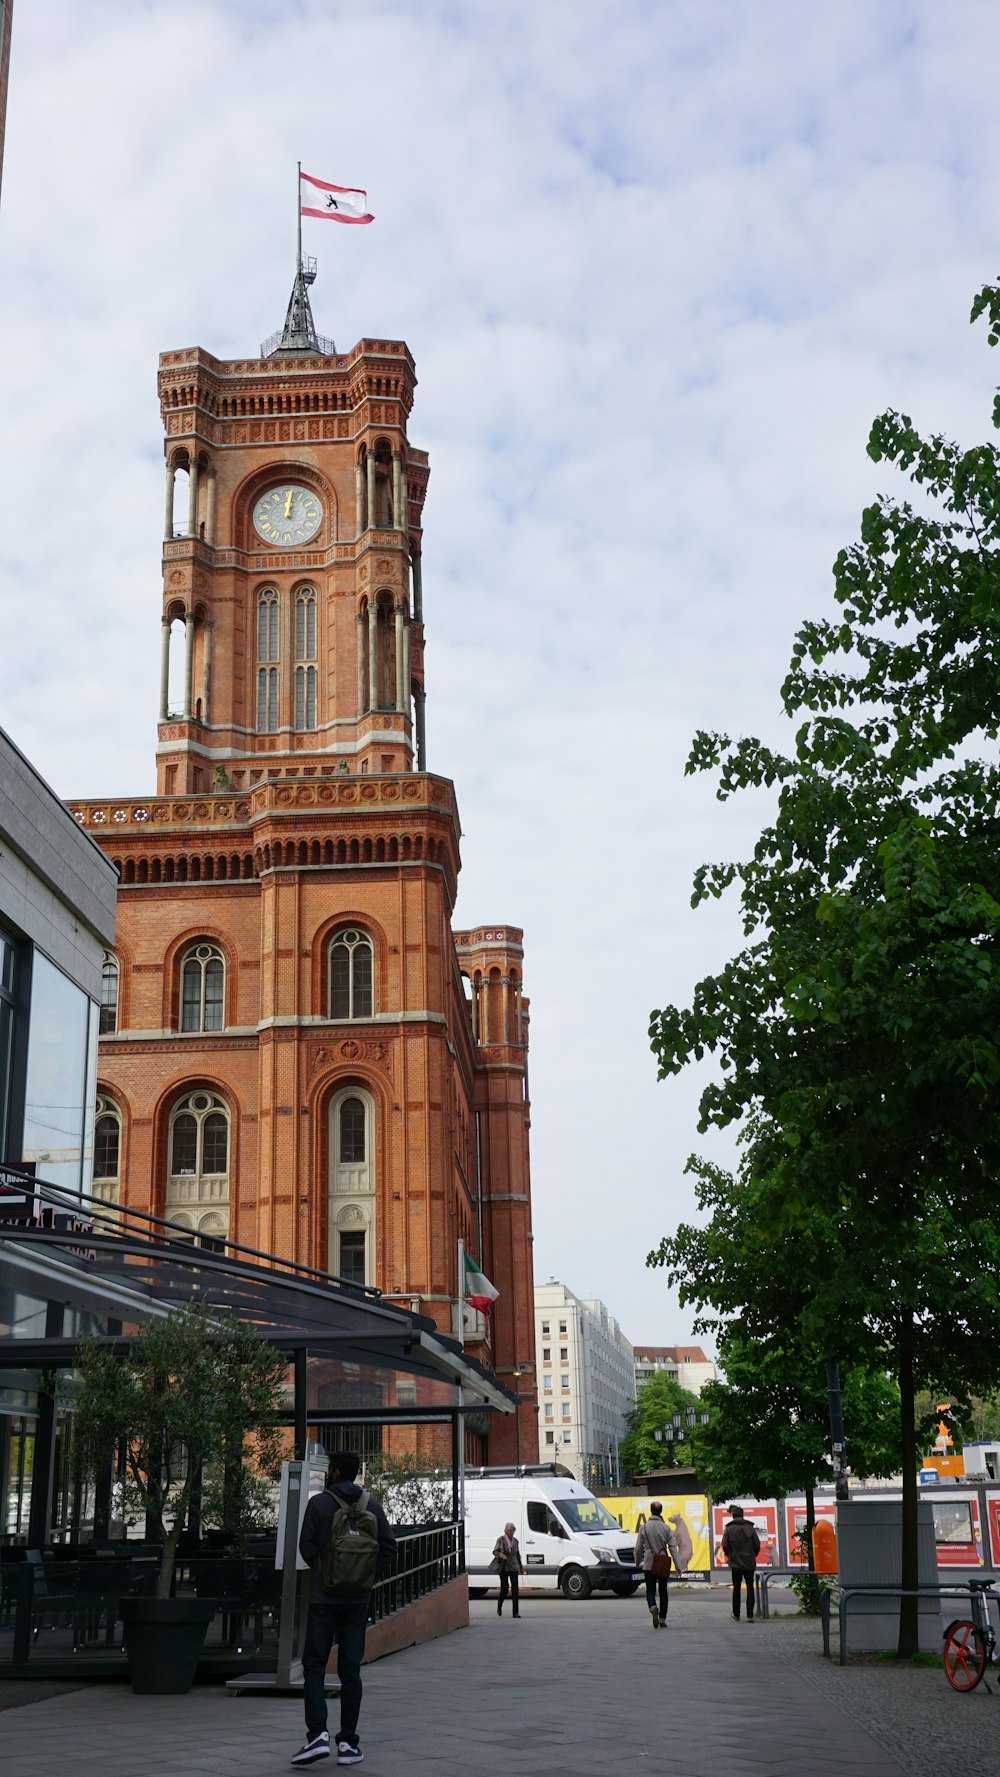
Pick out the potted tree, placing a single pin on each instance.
(192, 1401)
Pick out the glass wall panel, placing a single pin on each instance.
(56, 1110)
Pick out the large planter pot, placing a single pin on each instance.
(163, 1638)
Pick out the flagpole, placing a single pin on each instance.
(458, 1480)
(298, 212)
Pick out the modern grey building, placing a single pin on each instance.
(57, 922)
(586, 1383)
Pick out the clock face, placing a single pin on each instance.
(287, 514)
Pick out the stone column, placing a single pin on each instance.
(206, 688)
(193, 497)
(168, 511)
(210, 511)
(165, 670)
(188, 662)
(372, 655)
(475, 1008)
(398, 484)
(400, 680)
(407, 686)
(370, 515)
(418, 588)
(359, 497)
(505, 995)
(361, 663)
(421, 700)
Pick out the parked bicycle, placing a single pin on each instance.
(969, 1642)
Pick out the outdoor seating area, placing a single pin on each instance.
(60, 1610)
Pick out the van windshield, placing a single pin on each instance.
(585, 1514)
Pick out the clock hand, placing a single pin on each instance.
(288, 502)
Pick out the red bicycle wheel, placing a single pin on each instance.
(964, 1656)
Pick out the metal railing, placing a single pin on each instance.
(425, 1560)
(844, 1595)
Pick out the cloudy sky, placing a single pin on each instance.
(659, 263)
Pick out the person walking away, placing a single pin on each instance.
(507, 1555)
(656, 1552)
(347, 1545)
(741, 1546)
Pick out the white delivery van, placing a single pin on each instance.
(560, 1526)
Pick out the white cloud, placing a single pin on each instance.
(659, 265)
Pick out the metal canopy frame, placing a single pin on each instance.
(129, 1267)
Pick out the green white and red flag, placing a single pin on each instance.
(477, 1289)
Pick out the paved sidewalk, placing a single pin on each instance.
(571, 1690)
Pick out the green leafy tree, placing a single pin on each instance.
(193, 1397)
(768, 1428)
(656, 1403)
(410, 1492)
(857, 1030)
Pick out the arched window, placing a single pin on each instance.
(267, 661)
(203, 983)
(305, 656)
(107, 1151)
(197, 1194)
(109, 995)
(351, 975)
(352, 1187)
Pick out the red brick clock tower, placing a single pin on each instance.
(299, 1052)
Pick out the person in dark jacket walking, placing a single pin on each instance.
(741, 1546)
(507, 1555)
(330, 1618)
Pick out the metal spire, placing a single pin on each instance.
(298, 338)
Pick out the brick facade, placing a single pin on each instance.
(305, 1057)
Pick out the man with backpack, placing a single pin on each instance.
(347, 1545)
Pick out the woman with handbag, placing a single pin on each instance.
(507, 1555)
(654, 1547)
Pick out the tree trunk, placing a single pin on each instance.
(813, 1593)
(909, 1621)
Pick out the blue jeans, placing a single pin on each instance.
(343, 1620)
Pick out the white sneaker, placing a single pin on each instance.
(348, 1753)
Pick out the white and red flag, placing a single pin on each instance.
(334, 203)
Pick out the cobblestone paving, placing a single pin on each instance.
(571, 1690)
(910, 1710)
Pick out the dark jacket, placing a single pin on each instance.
(741, 1545)
(318, 1522)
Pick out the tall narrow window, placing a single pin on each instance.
(109, 995)
(352, 1131)
(352, 1250)
(107, 1151)
(197, 1193)
(352, 1255)
(351, 975)
(267, 662)
(305, 655)
(203, 980)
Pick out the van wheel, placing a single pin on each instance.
(574, 1583)
(479, 1591)
(628, 1590)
